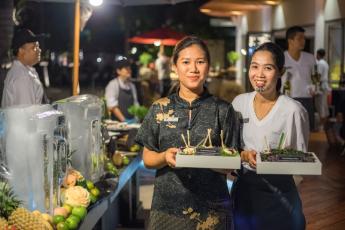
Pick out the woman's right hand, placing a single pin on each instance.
(170, 157)
(249, 156)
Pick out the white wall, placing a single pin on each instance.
(319, 38)
(334, 9)
(293, 12)
(260, 20)
(241, 32)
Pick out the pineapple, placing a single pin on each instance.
(25, 220)
(21, 218)
(3, 223)
(8, 200)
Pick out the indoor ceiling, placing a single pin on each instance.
(227, 8)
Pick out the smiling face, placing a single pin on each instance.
(192, 68)
(263, 72)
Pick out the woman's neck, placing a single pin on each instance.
(266, 98)
(263, 104)
(190, 95)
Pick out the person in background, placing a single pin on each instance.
(188, 198)
(299, 68)
(264, 202)
(120, 93)
(321, 103)
(22, 84)
(162, 65)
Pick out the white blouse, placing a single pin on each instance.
(287, 115)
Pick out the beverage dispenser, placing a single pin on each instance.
(83, 116)
(34, 150)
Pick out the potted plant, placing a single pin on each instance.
(232, 57)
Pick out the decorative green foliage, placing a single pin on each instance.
(145, 58)
(232, 57)
(138, 111)
(8, 200)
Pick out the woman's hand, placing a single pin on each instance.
(170, 157)
(249, 156)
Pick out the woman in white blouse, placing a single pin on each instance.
(268, 201)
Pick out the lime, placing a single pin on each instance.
(72, 221)
(75, 218)
(95, 191)
(68, 208)
(58, 219)
(109, 166)
(79, 211)
(93, 198)
(125, 160)
(62, 226)
(89, 184)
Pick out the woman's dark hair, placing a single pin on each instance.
(278, 57)
(189, 41)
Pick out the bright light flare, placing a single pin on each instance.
(157, 43)
(134, 50)
(96, 2)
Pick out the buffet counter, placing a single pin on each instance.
(105, 214)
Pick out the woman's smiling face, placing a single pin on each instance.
(191, 67)
(263, 72)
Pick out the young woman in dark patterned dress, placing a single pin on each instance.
(188, 198)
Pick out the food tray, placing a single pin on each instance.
(289, 168)
(210, 158)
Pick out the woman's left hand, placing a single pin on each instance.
(249, 156)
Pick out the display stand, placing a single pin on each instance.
(105, 213)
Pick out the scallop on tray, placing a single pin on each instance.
(207, 156)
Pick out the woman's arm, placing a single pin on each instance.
(155, 160)
(118, 114)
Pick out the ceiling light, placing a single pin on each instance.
(96, 2)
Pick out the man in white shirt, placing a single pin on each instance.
(22, 84)
(321, 103)
(299, 66)
(162, 65)
(120, 92)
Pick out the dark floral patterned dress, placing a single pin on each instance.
(189, 198)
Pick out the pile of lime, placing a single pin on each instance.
(91, 188)
(71, 220)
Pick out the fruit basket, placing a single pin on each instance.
(288, 161)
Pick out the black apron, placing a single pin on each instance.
(126, 100)
(266, 202)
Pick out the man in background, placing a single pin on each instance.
(162, 65)
(321, 103)
(299, 66)
(22, 84)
